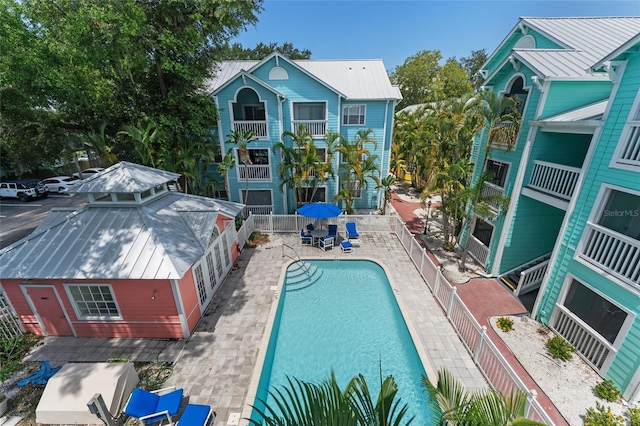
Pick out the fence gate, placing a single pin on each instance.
(9, 325)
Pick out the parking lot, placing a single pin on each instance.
(18, 219)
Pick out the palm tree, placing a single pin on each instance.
(454, 406)
(502, 118)
(307, 404)
(356, 166)
(386, 183)
(241, 139)
(228, 162)
(147, 141)
(481, 205)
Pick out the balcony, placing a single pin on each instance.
(554, 179)
(258, 127)
(500, 140)
(478, 250)
(616, 253)
(317, 128)
(628, 152)
(491, 189)
(255, 173)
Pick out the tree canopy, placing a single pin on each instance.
(69, 67)
(472, 65)
(262, 50)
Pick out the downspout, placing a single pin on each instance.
(384, 139)
(285, 204)
(336, 160)
(177, 297)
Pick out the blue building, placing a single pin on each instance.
(275, 95)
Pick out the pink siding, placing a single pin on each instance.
(190, 302)
(142, 316)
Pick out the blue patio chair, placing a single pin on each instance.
(151, 407)
(346, 246)
(305, 239)
(196, 415)
(352, 233)
(310, 227)
(325, 243)
(333, 231)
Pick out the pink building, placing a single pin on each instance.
(138, 261)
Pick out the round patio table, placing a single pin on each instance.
(317, 234)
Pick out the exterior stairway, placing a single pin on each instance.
(526, 277)
(301, 275)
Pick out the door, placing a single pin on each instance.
(51, 316)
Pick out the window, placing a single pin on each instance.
(125, 196)
(602, 315)
(93, 301)
(312, 195)
(253, 112)
(309, 111)
(258, 156)
(258, 201)
(622, 214)
(499, 171)
(483, 232)
(212, 272)
(354, 188)
(353, 115)
(202, 291)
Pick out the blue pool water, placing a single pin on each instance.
(348, 321)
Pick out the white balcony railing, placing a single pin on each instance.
(315, 127)
(491, 189)
(259, 128)
(478, 250)
(500, 142)
(554, 179)
(630, 152)
(593, 347)
(616, 253)
(254, 172)
(531, 278)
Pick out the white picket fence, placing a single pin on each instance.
(487, 357)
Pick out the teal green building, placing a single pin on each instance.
(570, 240)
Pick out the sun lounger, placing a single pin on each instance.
(196, 415)
(352, 233)
(150, 407)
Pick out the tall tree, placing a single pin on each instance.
(241, 139)
(418, 78)
(472, 65)
(236, 51)
(456, 81)
(66, 65)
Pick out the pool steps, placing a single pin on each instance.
(301, 275)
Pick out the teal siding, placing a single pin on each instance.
(567, 95)
(599, 173)
(301, 87)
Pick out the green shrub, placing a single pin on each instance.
(11, 352)
(634, 416)
(560, 348)
(602, 416)
(504, 324)
(607, 391)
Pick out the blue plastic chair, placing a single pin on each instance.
(333, 231)
(196, 415)
(325, 243)
(310, 227)
(151, 407)
(306, 240)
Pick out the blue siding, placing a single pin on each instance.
(567, 95)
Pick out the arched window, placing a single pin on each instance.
(526, 42)
(518, 91)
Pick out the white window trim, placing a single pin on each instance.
(364, 115)
(79, 316)
(507, 163)
(292, 109)
(596, 210)
(624, 136)
(326, 192)
(240, 190)
(230, 103)
(624, 329)
(506, 91)
(488, 222)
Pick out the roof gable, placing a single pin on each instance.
(125, 177)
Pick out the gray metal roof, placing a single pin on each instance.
(160, 240)
(586, 40)
(125, 177)
(356, 79)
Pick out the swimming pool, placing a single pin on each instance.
(347, 320)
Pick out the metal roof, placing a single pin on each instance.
(125, 177)
(356, 79)
(585, 40)
(160, 240)
(590, 112)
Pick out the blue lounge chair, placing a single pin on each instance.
(333, 231)
(352, 233)
(151, 407)
(196, 415)
(305, 239)
(346, 246)
(325, 243)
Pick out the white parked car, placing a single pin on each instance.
(88, 172)
(60, 184)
